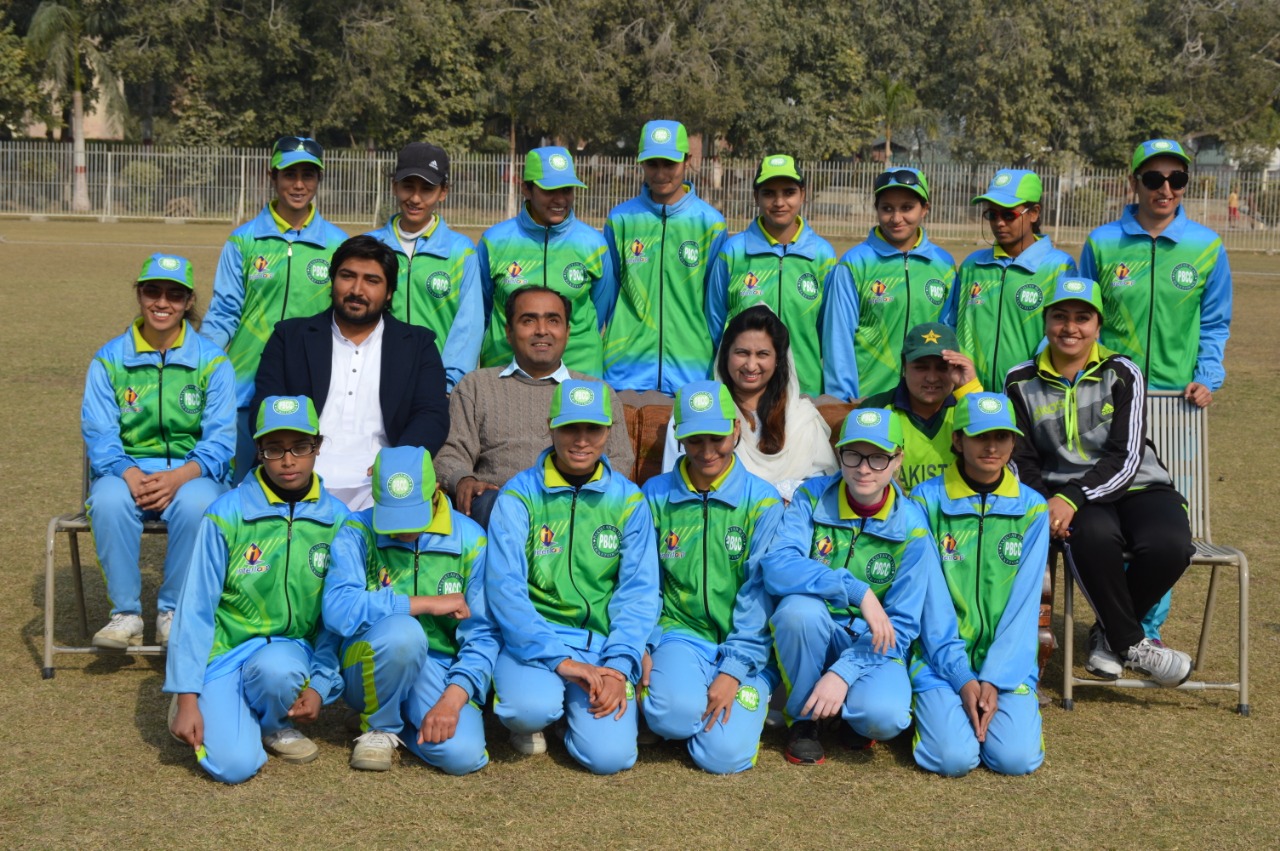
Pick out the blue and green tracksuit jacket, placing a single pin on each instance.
(439, 288)
(257, 572)
(710, 547)
(993, 548)
(1167, 298)
(999, 305)
(873, 297)
(570, 258)
(754, 268)
(267, 273)
(572, 568)
(158, 410)
(656, 331)
(372, 577)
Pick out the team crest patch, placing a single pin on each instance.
(670, 545)
(191, 400)
(131, 401)
(1122, 278)
(748, 698)
(582, 396)
(384, 578)
(975, 294)
(558, 161)
(1001, 180)
(880, 292)
(936, 291)
(661, 135)
(1010, 549)
(750, 284)
(253, 562)
(318, 272)
(318, 560)
(1028, 297)
(169, 264)
(285, 407)
(735, 542)
(1185, 276)
(400, 485)
(701, 401)
(950, 548)
(990, 406)
(439, 284)
(261, 269)
(881, 569)
(689, 253)
(1074, 286)
(606, 541)
(635, 252)
(823, 548)
(515, 271)
(575, 275)
(869, 419)
(807, 286)
(547, 541)
(450, 583)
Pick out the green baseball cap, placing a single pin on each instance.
(663, 140)
(979, 413)
(551, 168)
(928, 340)
(778, 165)
(1012, 187)
(404, 483)
(1076, 289)
(877, 426)
(704, 407)
(167, 267)
(287, 413)
(1158, 148)
(577, 401)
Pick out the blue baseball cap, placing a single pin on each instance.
(291, 150)
(404, 484)
(1158, 148)
(551, 168)
(286, 413)
(1012, 187)
(167, 267)
(663, 140)
(704, 407)
(979, 413)
(581, 402)
(877, 426)
(1076, 289)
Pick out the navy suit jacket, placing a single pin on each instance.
(298, 360)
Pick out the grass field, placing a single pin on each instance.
(85, 758)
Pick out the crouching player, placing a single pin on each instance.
(851, 563)
(406, 593)
(572, 582)
(714, 521)
(249, 655)
(975, 684)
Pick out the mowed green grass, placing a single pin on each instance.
(85, 758)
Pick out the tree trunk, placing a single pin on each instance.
(888, 146)
(513, 194)
(80, 178)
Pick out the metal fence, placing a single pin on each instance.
(230, 185)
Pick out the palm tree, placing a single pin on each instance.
(65, 37)
(892, 103)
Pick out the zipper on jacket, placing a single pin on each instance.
(586, 618)
(160, 409)
(415, 568)
(706, 597)
(995, 354)
(977, 576)
(847, 558)
(906, 282)
(662, 289)
(408, 293)
(781, 260)
(1151, 315)
(288, 271)
(288, 546)
(546, 244)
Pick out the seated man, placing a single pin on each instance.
(406, 593)
(376, 381)
(572, 581)
(935, 376)
(496, 413)
(249, 656)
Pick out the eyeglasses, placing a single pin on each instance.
(287, 144)
(1003, 215)
(1153, 180)
(853, 459)
(901, 177)
(173, 295)
(298, 450)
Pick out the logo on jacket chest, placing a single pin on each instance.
(439, 285)
(1121, 278)
(191, 400)
(251, 561)
(450, 583)
(606, 541)
(880, 292)
(735, 542)
(318, 560)
(1028, 297)
(515, 274)
(261, 269)
(950, 548)
(130, 400)
(1185, 276)
(975, 295)
(823, 548)
(670, 545)
(750, 285)
(547, 545)
(807, 286)
(318, 272)
(575, 276)
(1010, 549)
(635, 252)
(881, 569)
(690, 253)
(936, 291)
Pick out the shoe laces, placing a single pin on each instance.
(379, 739)
(284, 736)
(120, 620)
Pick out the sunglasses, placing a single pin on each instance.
(286, 144)
(1154, 180)
(901, 177)
(1003, 215)
(173, 295)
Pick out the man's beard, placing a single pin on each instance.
(369, 317)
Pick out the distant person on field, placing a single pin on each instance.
(273, 267)
(439, 282)
(1233, 206)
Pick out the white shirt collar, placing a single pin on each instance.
(560, 376)
(374, 338)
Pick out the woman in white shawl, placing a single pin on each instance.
(784, 438)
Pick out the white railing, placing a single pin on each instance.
(230, 185)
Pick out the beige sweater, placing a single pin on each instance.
(497, 427)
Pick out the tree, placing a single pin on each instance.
(889, 103)
(19, 91)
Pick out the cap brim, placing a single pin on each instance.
(716, 428)
(1186, 160)
(974, 431)
(924, 194)
(669, 154)
(183, 281)
(270, 428)
(571, 419)
(289, 158)
(432, 177)
(549, 184)
(396, 520)
(1002, 199)
(931, 352)
(886, 445)
(1052, 302)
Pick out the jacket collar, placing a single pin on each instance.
(265, 227)
(758, 242)
(258, 502)
(688, 200)
(962, 499)
(435, 243)
(183, 352)
(892, 527)
(922, 248)
(1174, 232)
(727, 489)
(552, 482)
(540, 232)
(1031, 259)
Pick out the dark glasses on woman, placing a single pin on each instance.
(286, 144)
(1002, 214)
(901, 177)
(1154, 180)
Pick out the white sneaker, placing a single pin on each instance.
(164, 623)
(529, 743)
(1166, 666)
(375, 750)
(1102, 661)
(290, 746)
(123, 630)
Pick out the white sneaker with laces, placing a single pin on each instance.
(1102, 661)
(290, 746)
(123, 630)
(1166, 666)
(164, 623)
(529, 743)
(375, 750)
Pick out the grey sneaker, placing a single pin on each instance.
(529, 743)
(123, 630)
(291, 746)
(1166, 666)
(164, 623)
(375, 750)
(1102, 661)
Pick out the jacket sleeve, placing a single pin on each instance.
(1088, 263)
(745, 652)
(270, 378)
(636, 603)
(1215, 324)
(604, 290)
(840, 316)
(1121, 455)
(217, 444)
(100, 424)
(940, 635)
(611, 253)
(326, 670)
(458, 456)
(1026, 458)
(526, 635)
(951, 306)
(462, 345)
(428, 424)
(789, 570)
(223, 316)
(191, 640)
(1012, 657)
(478, 637)
(717, 300)
(349, 608)
(486, 281)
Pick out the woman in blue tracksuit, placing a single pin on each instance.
(159, 426)
(707, 676)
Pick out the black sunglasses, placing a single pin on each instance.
(173, 295)
(1154, 180)
(1003, 215)
(901, 177)
(286, 144)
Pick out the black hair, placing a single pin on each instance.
(509, 306)
(366, 247)
(772, 409)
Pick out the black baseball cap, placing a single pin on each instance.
(425, 160)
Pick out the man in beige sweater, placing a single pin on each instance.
(498, 415)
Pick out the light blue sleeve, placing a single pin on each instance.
(745, 652)
(940, 634)
(486, 279)
(1013, 656)
(1067, 270)
(326, 671)
(191, 639)
(217, 444)
(349, 608)
(611, 254)
(636, 603)
(840, 316)
(477, 636)
(100, 424)
(951, 307)
(1215, 323)
(1088, 264)
(789, 570)
(717, 298)
(462, 346)
(604, 291)
(525, 632)
(223, 316)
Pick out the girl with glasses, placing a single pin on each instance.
(1000, 290)
(159, 427)
(896, 279)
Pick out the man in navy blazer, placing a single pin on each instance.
(375, 381)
